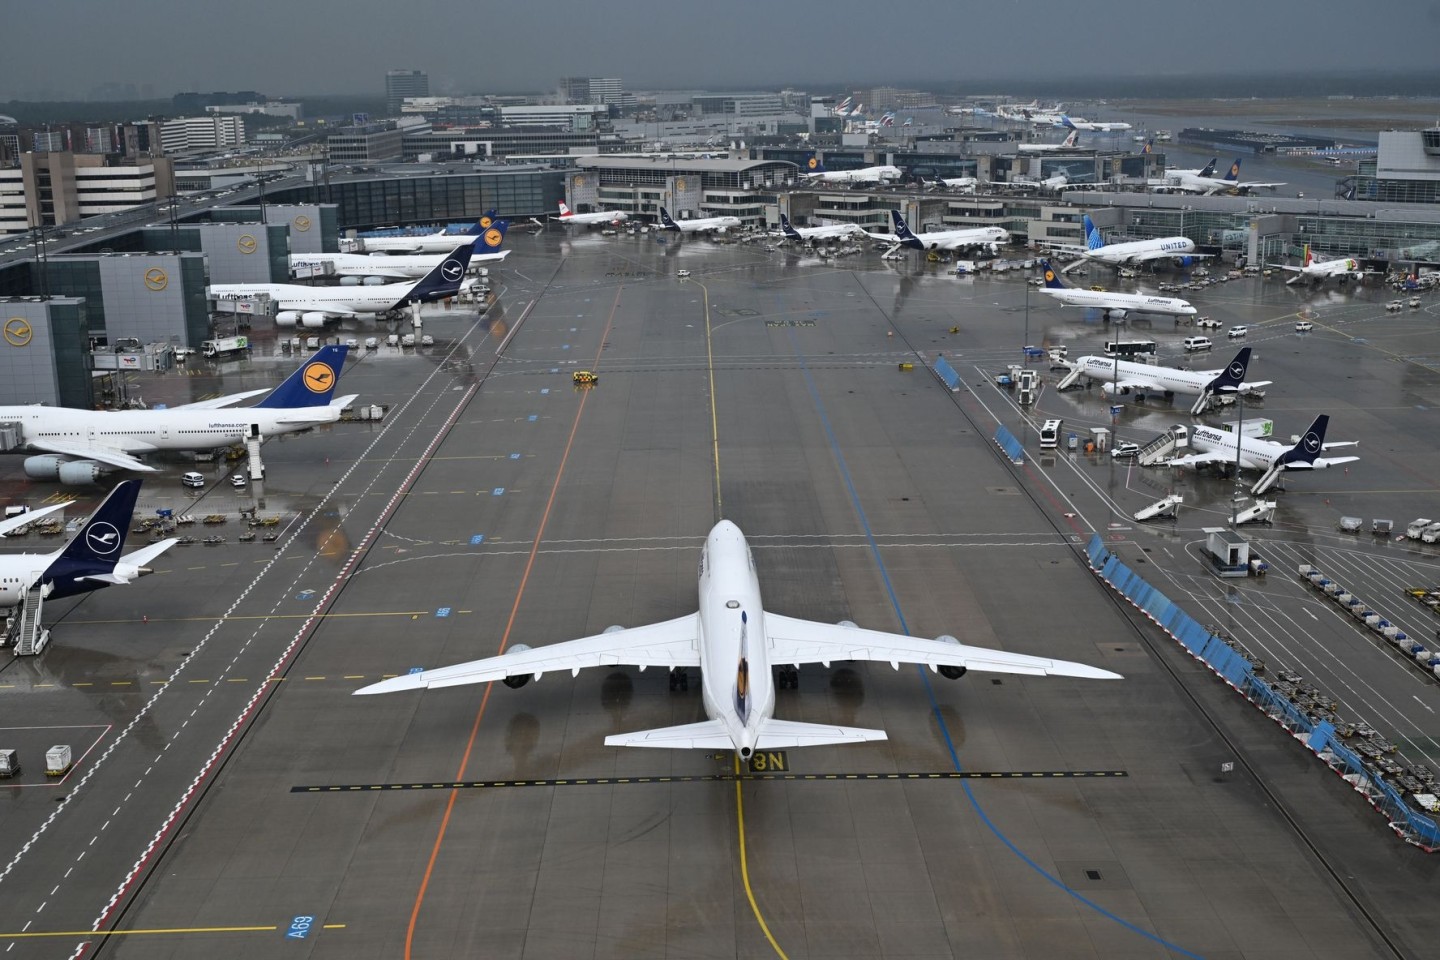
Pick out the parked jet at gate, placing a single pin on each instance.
(1071, 142)
(1184, 181)
(815, 171)
(699, 225)
(1181, 250)
(1270, 456)
(88, 562)
(1114, 304)
(988, 238)
(79, 446)
(400, 267)
(735, 642)
(1125, 377)
(316, 306)
(567, 216)
(1101, 126)
(835, 231)
(1318, 271)
(441, 242)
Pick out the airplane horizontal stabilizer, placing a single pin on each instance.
(146, 554)
(705, 735)
(780, 734)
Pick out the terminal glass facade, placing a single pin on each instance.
(365, 204)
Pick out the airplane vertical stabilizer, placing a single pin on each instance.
(313, 384)
(1093, 240)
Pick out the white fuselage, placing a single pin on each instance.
(593, 219)
(1128, 302)
(19, 570)
(738, 687)
(1102, 126)
(144, 431)
(959, 183)
(1103, 370)
(336, 301)
(705, 224)
(863, 175)
(413, 266)
(1135, 251)
(962, 239)
(432, 243)
(832, 232)
(1254, 453)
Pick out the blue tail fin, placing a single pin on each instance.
(1310, 445)
(665, 221)
(493, 237)
(1052, 279)
(313, 384)
(445, 278)
(1066, 121)
(99, 543)
(813, 164)
(902, 230)
(1233, 176)
(787, 229)
(1093, 240)
(1209, 169)
(1234, 373)
(483, 224)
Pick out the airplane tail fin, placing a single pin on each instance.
(565, 211)
(493, 238)
(483, 224)
(1149, 146)
(102, 539)
(1234, 373)
(444, 278)
(787, 229)
(783, 734)
(1093, 240)
(1310, 446)
(1309, 257)
(813, 164)
(1066, 121)
(902, 230)
(1209, 169)
(1052, 279)
(312, 384)
(1233, 175)
(1073, 140)
(666, 222)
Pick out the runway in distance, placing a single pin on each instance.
(988, 238)
(698, 225)
(1256, 453)
(735, 643)
(79, 446)
(834, 231)
(1124, 377)
(1114, 304)
(383, 267)
(815, 171)
(597, 218)
(441, 242)
(313, 307)
(1180, 250)
(1318, 271)
(90, 561)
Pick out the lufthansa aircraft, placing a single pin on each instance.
(735, 642)
(441, 242)
(1125, 377)
(815, 170)
(834, 231)
(1269, 456)
(1116, 304)
(971, 238)
(78, 446)
(399, 267)
(699, 225)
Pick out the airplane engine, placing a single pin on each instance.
(1186, 261)
(43, 468)
(847, 624)
(519, 680)
(314, 319)
(946, 671)
(287, 318)
(349, 281)
(993, 249)
(614, 628)
(81, 472)
(1108, 389)
(374, 281)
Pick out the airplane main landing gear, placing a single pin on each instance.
(679, 679)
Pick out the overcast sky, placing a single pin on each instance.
(284, 47)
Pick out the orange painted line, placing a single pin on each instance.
(505, 639)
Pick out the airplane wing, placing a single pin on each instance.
(29, 516)
(1320, 463)
(81, 451)
(1286, 266)
(807, 641)
(671, 643)
(217, 403)
(1132, 384)
(1197, 459)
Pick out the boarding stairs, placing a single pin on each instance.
(1261, 511)
(1160, 449)
(1167, 508)
(1271, 477)
(30, 635)
(1068, 381)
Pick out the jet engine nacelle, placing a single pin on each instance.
(349, 281)
(287, 318)
(81, 472)
(1186, 261)
(43, 468)
(313, 319)
(1108, 389)
(946, 671)
(519, 680)
(993, 249)
(375, 281)
(614, 628)
(720, 230)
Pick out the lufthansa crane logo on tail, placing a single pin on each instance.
(493, 237)
(103, 538)
(1312, 442)
(1049, 275)
(451, 270)
(319, 377)
(1234, 169)
(812, 163)
(1237, 371)
(485, 223)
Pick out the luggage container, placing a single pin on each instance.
(9, 763)
(1390, 632)
(1373, 621)
(1332, 588)
(1305, 570)
(58, 760)
(1421, 655)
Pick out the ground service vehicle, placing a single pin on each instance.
(1050, 434)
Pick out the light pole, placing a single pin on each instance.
(1239, 433)
(1026, 341)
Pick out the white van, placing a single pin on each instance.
(1193, 344)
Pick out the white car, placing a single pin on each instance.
(238, 480)
(193, 479)
(1303, 326)
(1395, 305)
(682, 273)
(1124, 449)
(1207, 323)
(1235, 333)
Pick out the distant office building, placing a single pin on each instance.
(62, 187)
(289, 109)
(9, 146)
(99, 140)
(606, 90)
(50, 141)
(207, 132)
(400, 84)
(366, 143)
(1406, 169)
(740, 104)
(13, 218)
(186, 104)
(574, 90)
(570, 116)
(139, 139)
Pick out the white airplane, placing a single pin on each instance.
(1117, 304)
(90, 561)
(1082, 124)
(735, 642)
(441, 242)
(1256, 453)
(816, 172)
(1071, 142)
(834, 231)
(1316, 271)
(568, 216)
(1179, 249)
(79, 446)
(1056, 183)
(698, 225)
(401, 267)
(988, 238)
(1184, 181)
(316, 306)
(963, 184)
(1125, 377)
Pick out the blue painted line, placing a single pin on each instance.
(477, 539)
(533, 417)
(544, 391)
(498, 492)
(925, 678)
(554, 369)
(442, 612)
(305, 595)
(514, 456)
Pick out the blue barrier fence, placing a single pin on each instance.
(946, 373)
(1409, 824)
(1006, 441)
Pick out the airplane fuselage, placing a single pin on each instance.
(737, 683)
(363, 265)
(1253, 453)
(863, 175)
(1118, 254)
(704, 224)
(144, 431)
(1128, 302)
(592, 219)
(433, 243)
(1103, 370)
(19, 570)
